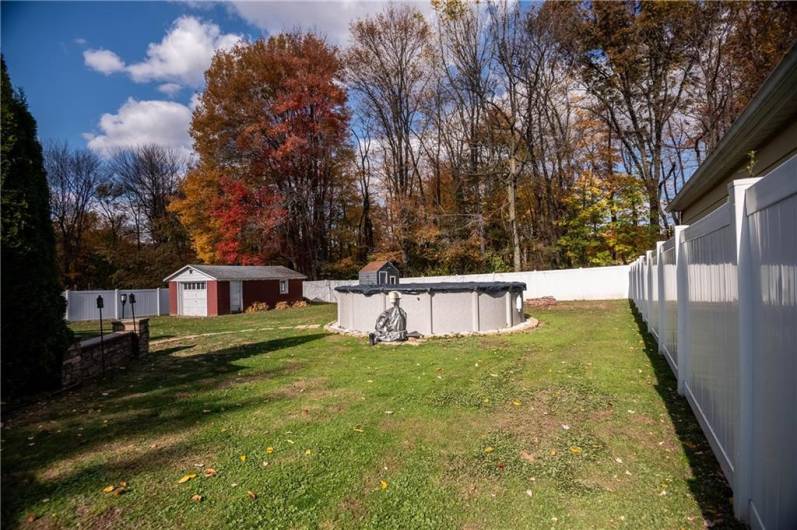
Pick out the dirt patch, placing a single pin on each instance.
(354, 507)
(109, 518)
(302, 387)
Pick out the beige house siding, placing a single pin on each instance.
(768, 156)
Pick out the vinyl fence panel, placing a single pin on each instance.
(653, 301)
(712, 381)
(772, 225)
(727, 323)
(669, 304)
(82, 305)
(597, 283)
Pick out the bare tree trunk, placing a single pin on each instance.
(511, 192)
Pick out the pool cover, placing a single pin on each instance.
(441, 287)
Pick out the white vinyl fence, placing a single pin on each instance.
(82, 305)
(598, 283)
(721, 297)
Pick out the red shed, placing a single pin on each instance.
(210, 290)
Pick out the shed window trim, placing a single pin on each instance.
(283, 286)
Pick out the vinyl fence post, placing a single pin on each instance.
(742, 486)
(682, 307)
(158, 301)
(116, 303)
(66, 312)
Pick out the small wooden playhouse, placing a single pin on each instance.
(379, 273)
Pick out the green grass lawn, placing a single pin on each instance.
(575, 424)
(168, 327)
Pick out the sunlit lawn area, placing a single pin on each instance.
(575, 424)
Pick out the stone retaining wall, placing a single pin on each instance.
(92, 357)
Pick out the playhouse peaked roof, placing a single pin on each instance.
(375, 266)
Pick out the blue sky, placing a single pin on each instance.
(110, 74)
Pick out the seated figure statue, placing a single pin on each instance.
(391, 326)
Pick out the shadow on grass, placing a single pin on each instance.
(709, 487)
(160, 396)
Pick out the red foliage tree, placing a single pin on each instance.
(273, 122)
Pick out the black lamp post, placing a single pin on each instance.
(100, 305)
(132, 299)
(123, 299)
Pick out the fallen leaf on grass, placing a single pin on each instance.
(242, 458)
(31, 517)
(358, 429)
(388, 412)
(210, 472)
(197, 498)
(529, 493)
(308, 452)
(565, 426)
(488, 450)
(383, 485)
(516, 402)
(269, 450)
(575, 450)
(251, 494)
(186, 478)
(108, 489)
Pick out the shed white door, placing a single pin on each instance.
(235, 296)
(195, 299)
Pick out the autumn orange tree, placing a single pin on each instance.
(270, 131)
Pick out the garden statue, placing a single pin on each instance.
(391, 326)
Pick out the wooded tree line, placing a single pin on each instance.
(492, 136)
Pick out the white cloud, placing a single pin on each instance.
(80, 41)
(180, 58)
(104, 61)
(170, 89)
(140, 123)
(196, 101)
(184, 53)
(331, 19)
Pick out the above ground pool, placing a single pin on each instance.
(435, 308)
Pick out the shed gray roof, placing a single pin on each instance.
(244, 272)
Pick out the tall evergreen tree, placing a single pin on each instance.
(34, 334)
